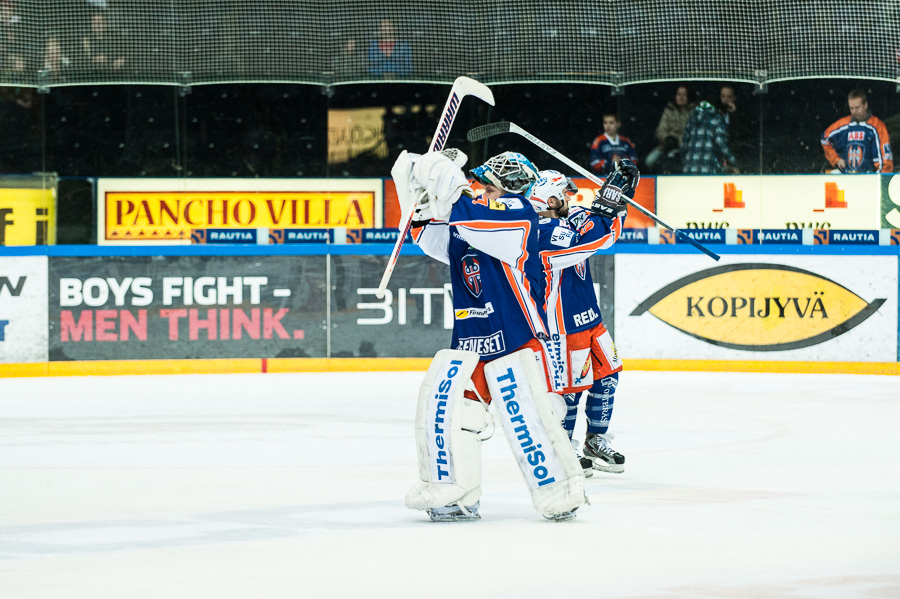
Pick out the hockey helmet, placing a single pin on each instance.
(510, 171)
(550, 184)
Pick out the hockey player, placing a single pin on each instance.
(585, 346)
(499, 338)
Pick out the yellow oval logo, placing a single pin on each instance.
(758, 307)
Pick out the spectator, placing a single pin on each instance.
(55, 61)
(12, 51)
(670, 131)
(705, 147)
(388, 57)
(609, 146)
(858, 143)
(101, 45)
(350, 61)
(738, 124)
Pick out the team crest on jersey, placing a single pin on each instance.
(472, 274)
(854, 156)
(581, 269)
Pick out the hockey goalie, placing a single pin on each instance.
(500, 355)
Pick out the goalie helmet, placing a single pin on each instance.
(510, 171)
(550, 184)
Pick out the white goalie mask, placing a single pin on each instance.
(550, 184)
(510, 171)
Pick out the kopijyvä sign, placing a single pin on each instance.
(758, 307)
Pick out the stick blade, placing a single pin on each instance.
(488, 130)
(466, 86)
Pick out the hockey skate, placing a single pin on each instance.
(561, 517)
(603, 457)
(454, 513)
(586, 464)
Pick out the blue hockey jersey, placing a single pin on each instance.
(570, 300)
(495, 273)
(606, 150)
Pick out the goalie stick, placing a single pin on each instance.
(491, 129)
(462, 87)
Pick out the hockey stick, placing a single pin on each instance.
(462, 87)
(491, 129)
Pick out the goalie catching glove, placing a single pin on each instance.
(608, 201)
(430, 184)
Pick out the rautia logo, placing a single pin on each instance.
(758, 307)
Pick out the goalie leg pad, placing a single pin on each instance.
(447, 440)
(531, 418)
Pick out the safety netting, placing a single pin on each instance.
(46, 43)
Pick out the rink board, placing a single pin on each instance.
(757, 307)
(84, 310)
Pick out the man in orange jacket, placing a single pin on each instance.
(858, 143)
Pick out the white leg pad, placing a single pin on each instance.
(531, 420)
(447, 441)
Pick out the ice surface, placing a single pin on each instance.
(291, 485)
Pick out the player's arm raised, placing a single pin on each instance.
(429, 185)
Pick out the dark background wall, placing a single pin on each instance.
(280, 130)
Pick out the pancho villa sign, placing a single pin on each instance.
(825, 309)
(168, 210)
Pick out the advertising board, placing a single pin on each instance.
(177, 307)
(770, 201)
(759, 307)
(23, 309)
(27, 216)
(645, 196)
(890, 201)
(166, 211)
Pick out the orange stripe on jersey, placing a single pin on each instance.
(558, 308)
(491, 225)
(526, 303)
(836, 125)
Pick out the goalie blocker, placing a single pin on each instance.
(449, 446)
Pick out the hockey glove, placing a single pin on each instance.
(441, 180)
(408, 192)
(608, 201)
(632, 175)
